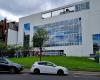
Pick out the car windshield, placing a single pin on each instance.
(8, 60)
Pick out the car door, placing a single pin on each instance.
(50, 68)
(42, 66)
(3, 65)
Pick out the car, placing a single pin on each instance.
(7, 65)
(48, 67)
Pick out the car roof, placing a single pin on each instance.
(43, 61)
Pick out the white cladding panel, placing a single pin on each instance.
(12, 37)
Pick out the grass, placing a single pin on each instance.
(72, 63)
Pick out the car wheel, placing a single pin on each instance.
(60, 72)
(36, 71)
(12, 70)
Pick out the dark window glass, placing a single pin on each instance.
(42, 63)
(2, 61)
(26, 34)
(96, 39)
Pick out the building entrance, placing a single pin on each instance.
(96, 43)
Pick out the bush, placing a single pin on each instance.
(97, 57)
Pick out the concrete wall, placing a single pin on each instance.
(12, 37)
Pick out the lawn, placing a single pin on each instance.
(72, 63)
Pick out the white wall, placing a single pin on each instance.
(12, 37)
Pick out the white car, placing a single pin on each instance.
(48, 67)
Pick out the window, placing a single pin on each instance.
(64, 33)
(82, 6)
(26, 34)
(50, 64)
(96, 39)
(26, 40)
(42, 63)
(3, 61)
(96, 43)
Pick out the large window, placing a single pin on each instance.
(83, 6)
(96, 39)
(96, 43)
(64, 33)
(26, 34)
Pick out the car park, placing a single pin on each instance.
(7, 65)
(48, 67)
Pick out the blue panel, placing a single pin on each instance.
(27, 26)
(96, 38)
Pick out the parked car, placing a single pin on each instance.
(48, 67)
(7, 65)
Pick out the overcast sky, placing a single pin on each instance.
(13, 9)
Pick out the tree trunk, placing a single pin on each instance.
(40, 53)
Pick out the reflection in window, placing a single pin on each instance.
(64, 33)
(96, 39)
(26, 34)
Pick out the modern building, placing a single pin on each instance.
(73, 29)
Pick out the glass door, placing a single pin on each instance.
(96, 43)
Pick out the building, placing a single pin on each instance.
(73, 29)
(8, 32)
(3, 30)
(12, 37)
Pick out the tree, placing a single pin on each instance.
(39, 38)
(3, 48)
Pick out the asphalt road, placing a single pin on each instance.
(71, 76)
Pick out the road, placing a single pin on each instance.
(72, 76)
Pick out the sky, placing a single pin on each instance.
(14, 9)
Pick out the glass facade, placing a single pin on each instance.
(96, 39)
(96, 43)
(63, 33)
(26, 34)
(83, 6)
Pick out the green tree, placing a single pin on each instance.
(39, 38)
(3, 48)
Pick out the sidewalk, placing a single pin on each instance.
(75, 72)
(84, 73)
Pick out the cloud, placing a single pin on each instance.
(8, 15)
(13, 9)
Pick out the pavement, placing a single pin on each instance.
(74, 72)
(85, 73)
(73, 75)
